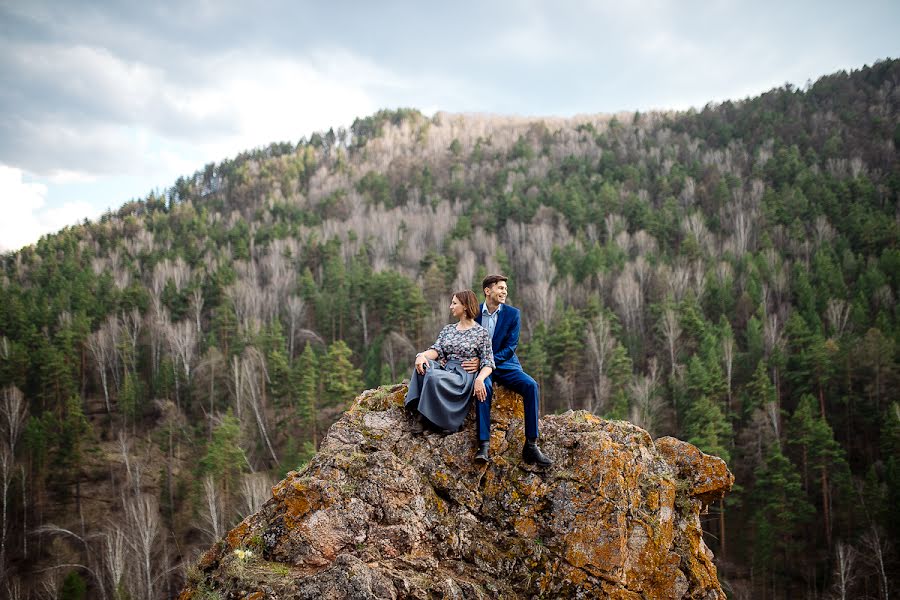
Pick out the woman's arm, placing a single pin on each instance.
(422, 359)
(486, 354)
(480, 389)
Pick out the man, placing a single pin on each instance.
(503, 323)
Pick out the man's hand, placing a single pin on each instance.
(471, 365)
(480, 390)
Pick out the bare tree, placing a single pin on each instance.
(644, 242)
(465, 270)
(15, 590)
(844, 571)
(565, 383)
(675, 280)
(213, 510)
(256, 489)
(728, 360)
(671, 329)
(142, 517)
(14, 411)
(614, 224)
(253, 376)
(876, 547)
(197, 307)
(134, 470)
(102, 344)
(208, 371)
(629, 299)
(838, 314)
(296, 308)
(182, 338)
(646, 405)
(131, 331)
(600, 344)
(7, 472)
(114, 558)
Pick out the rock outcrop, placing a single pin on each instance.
(385, 512)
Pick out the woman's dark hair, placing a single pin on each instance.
(469, 301)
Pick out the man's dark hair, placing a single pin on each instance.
(491, 280)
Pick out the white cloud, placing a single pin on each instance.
(25, 217)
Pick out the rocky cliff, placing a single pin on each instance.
(385, 512)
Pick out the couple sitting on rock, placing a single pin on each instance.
(464, 359)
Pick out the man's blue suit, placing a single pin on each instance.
(508, 373)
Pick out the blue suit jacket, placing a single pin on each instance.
(506, 338)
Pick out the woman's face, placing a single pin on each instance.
(457, 309)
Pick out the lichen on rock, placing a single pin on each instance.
(383, 512)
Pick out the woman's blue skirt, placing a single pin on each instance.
(442, 394)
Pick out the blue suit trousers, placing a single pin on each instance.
(523, 384)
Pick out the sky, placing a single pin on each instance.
(103, 102)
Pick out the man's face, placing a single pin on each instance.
(496, 294)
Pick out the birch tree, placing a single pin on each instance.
(253, 376)
(600, 344)
(256, 489)
(142, 517)
(213, 511)
(844, 571)
(671, 329)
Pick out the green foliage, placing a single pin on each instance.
(224, 459)
(74, 587)
(341, 380)
(781, 511)
(707, 427)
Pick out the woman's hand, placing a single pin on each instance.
(480, 390)
(421, 364)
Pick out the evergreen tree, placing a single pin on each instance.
(707, 428)
(308, 396)
(780, 513)
(224, 459)
(342, 381)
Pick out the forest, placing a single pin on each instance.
(727, 275)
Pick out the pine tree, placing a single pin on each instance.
(707, 428)
(781, 511)
(342, 381)
(813, 436)
(308, 398)
(224, 459)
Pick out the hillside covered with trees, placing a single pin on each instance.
(728, 276)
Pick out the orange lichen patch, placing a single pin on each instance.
(597, 542)
(652, 568)
(697, 560)
(257, 595)
(708, 476)
(236, 536)
(298, 497)
(505, 406)
(525, 527)
(611, 592)
(576, 576)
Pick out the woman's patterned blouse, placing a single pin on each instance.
(453, 344)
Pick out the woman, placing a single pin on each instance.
(440, 389)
